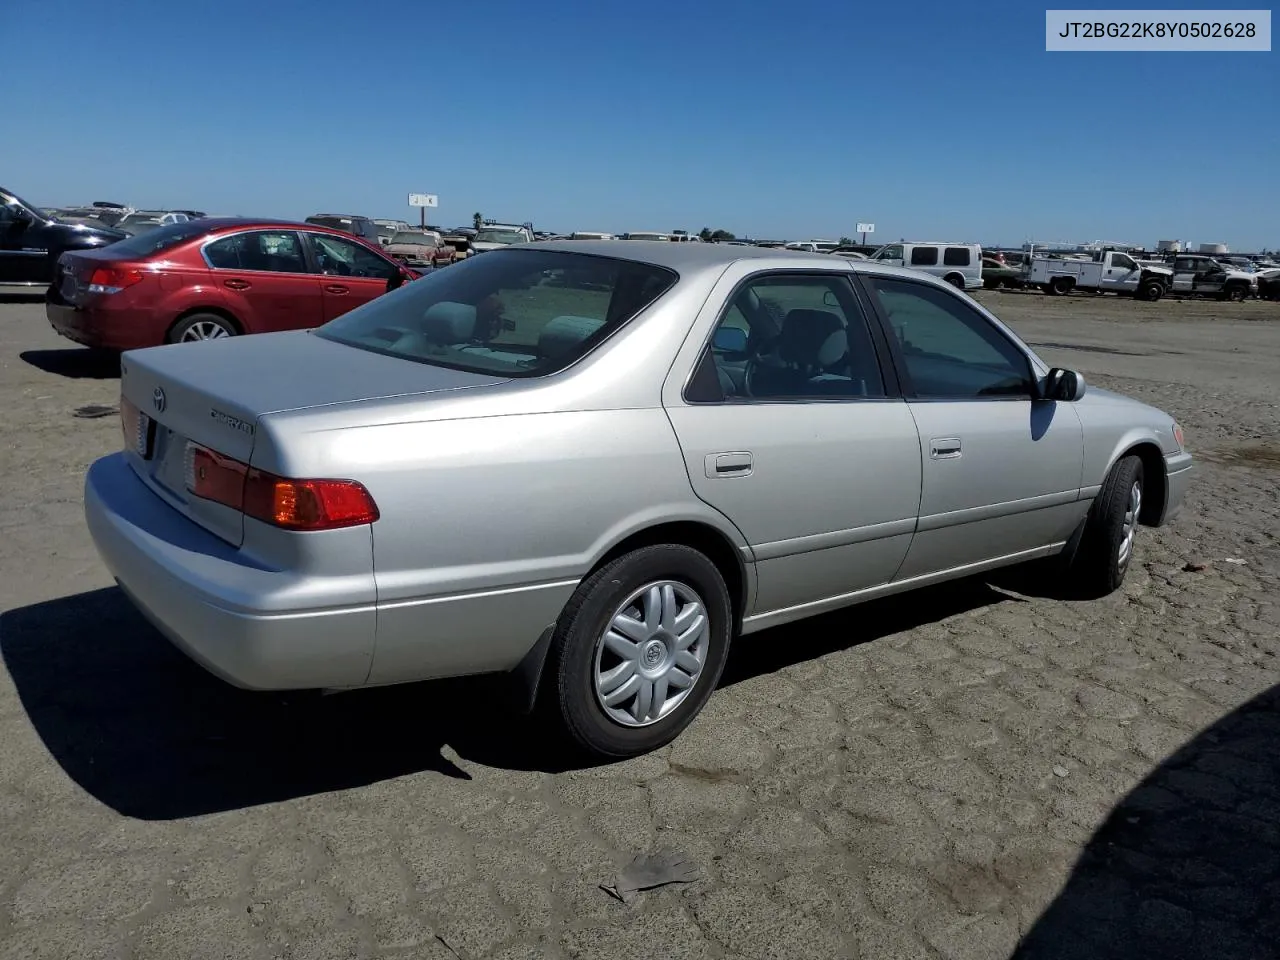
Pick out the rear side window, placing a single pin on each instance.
(273, 251)
(516, 313)
(924, 256)
(956, 257)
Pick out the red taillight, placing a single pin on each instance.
(279, 501)
(113, 279)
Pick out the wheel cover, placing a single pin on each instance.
(650, 656)
(204, 330)
(1129, 528)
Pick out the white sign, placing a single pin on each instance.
(423, 200)
(866, 228)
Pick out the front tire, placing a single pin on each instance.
(1105, 549)
(639, 650)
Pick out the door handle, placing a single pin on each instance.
(722, 465)
(944, 449)
(335, 288)
(236, 284)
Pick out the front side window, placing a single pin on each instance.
(892, 252)
(336, 257)
(949, 349)
(790, 337)
(924, 256)
(956, 257)
(271, 251)
(516, 313)
(1123, 262)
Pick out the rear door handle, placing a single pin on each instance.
(722, 465)
(944, 449)
(236, 284)
(335, 288)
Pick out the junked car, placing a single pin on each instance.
(595, 466)
(419, 248)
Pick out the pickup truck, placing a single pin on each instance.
(31, 242)
(1111, 271)
(1200, 275)
(494, 236)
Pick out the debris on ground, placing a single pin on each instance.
(649, 870)
(93, 411)
(1191, 567)
(1237, 560)
(1060, 771)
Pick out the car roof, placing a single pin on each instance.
(678, 256)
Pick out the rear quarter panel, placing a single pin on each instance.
(488, 523)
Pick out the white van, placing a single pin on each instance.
(960, 264)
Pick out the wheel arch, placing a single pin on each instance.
(1155, 482)
(217, 311)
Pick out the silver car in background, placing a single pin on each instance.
(594, 465)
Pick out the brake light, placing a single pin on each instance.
(113, 279)
(280, 501)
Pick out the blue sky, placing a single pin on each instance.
(782, 120)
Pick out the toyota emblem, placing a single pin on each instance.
(157, 400)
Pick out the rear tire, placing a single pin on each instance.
(202, 326)
(1150, 290)
(1104, 549)
(955, 280)
(598, 672)
(1060, 286)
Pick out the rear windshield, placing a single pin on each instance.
(514, 313)
(161, 238)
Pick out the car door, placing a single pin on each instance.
(263, 277)
(1184, 274)
(351, 273)
(1119, 272)
(790, 427)
(1000, 469)
(22, 259)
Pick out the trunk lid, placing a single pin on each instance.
(214, 392)
(71, 278)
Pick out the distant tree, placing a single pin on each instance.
(705, 233)
(847, 241)
(478, 220)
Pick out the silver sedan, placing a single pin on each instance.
(594, 465)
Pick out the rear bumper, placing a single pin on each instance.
(96, 327)
(219, 607)
(1178, 468)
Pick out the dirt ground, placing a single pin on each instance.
(976, 771)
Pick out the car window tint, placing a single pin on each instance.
(949, 349)
(336, 257)
(519, 313)
(806, 339)
(272, 251)
(956, 257)
(924, 256)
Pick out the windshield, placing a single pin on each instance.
(499, 236)
(13, 199)
(514, 313)
(416, 237)
(161, 238)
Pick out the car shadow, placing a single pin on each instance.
(22, 297)
(148, 733)
(76, 363)
(1188, 864)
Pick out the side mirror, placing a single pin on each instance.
(1065, 385)
(730, 340)
(397, 279)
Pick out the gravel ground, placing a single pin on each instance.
(974, 771)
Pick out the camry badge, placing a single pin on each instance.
(157, 400)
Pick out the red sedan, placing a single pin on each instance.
(206, 279)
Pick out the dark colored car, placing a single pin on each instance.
(997, 273)
(206, 279)
(361, 227)
(31, 241)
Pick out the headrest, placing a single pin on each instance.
(808, 334)
(449, 322)
(565, 333)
